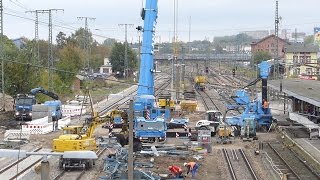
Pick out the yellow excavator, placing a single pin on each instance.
(78, 139)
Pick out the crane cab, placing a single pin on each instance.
(72, 130)
(214, 115)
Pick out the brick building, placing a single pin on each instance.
(269, 44)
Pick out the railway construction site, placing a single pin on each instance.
(283, 150)
(199, 118)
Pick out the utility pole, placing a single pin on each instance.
(126, 63)
(130, 153)
(50, 50)
(86, 46)
(36, 37)
(2, 57)
(183, 66)
(295, 35)
(276, 59)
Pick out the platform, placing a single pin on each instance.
(305, 90)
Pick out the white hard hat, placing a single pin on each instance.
(184, 164)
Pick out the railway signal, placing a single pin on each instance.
(207, 70)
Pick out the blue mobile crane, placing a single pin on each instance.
(253, 110)
(150, 124)
(24, 102)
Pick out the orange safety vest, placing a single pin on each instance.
(191, 164)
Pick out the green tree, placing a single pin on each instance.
(78, 38)
(117, 58)
(98, 53)
(43, 50)
(19, 72)
(61, 40)
(309, 39)
(71, 59)
(261, 56)
(109, 41)
(218, 49)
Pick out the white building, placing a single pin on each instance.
(106, 68)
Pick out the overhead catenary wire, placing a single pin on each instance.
(56, 25)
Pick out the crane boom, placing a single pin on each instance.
(43, 91)
(146, 76)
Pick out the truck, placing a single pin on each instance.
(23, 107)
(54, 108)
(214, 118)
(150, 121)
(23, 103)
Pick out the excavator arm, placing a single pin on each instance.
(43, 91)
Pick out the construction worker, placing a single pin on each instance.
(176, 171)
(193, 167)
(265, 106)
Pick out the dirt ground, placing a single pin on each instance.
(213, 165)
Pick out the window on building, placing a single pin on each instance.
(295, 59)
(301, 59)
(309, 71)
(308, 59)
(272, 44)
(106, 70)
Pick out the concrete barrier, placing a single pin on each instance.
(38, 129)
(64, 122)
(43, 120)
(39, 126)
(14, 134)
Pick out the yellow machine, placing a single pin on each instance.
(224, 134)
(77, 139)
(188, 105)
(165, 101)
(200, 82)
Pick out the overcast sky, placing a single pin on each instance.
(209, 18)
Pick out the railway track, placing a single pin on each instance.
(68, 174)
(292, 166)
(208, 102)
(18, 161)
(117, 103)
(238, 164)
(20, 166)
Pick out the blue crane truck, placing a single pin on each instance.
(24, 102)
(150, 124)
